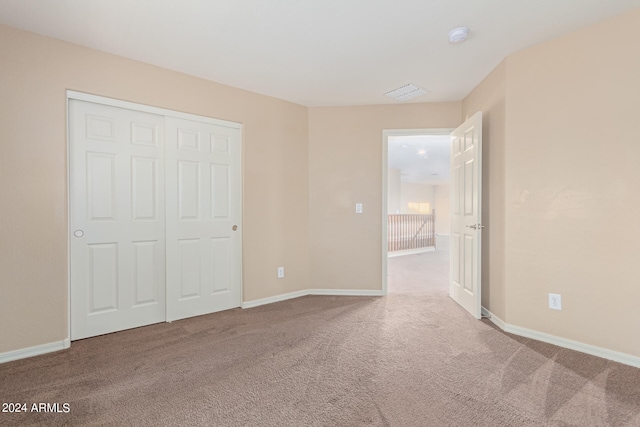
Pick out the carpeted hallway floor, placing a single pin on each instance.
(413, 358)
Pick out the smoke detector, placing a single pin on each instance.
(458, 35)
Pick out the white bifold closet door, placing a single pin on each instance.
(152, 207)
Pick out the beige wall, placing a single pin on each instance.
(442, 207)
(489, 97)
(411, 192)
(559, 180)
(345, 167)
(572, 181)
(34, 75)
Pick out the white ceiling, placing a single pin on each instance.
(422, 159)
(315, 52)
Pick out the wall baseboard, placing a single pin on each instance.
(616, 356)
(347, 292)
(270, 300)
(298, 294)
(34, 351)
(493, 318)
(411, 252)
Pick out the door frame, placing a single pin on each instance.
(96, 99)
(386, 133)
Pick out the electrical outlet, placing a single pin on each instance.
(555, 301)
(280, 272)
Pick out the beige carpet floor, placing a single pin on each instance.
(413, 358)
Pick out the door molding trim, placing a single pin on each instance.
(96, 99)
(386, 133)
(616, 356)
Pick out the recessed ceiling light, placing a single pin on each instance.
(406, 92)
(422, 152)
(458, 35)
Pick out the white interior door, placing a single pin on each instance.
(116, 209)
(203, 211)
(466, 220)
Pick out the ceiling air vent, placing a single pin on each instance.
(406, 92)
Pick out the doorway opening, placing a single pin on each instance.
(416, 207)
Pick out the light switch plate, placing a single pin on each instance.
(358, 207)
